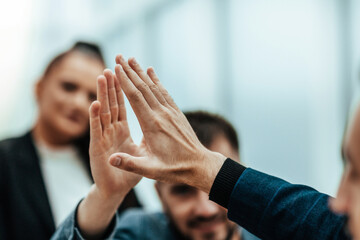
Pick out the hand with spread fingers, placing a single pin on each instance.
(109, 133)
(173, 152)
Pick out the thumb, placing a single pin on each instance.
(130, 163)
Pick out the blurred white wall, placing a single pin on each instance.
(15, 26)
(281, 71)
(287, 66)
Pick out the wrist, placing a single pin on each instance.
(109, 196)
(225, 182)
(209, 165)
(96, 211)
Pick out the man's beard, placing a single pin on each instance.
(192, 223)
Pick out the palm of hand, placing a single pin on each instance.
(110, 133)
(115, 138)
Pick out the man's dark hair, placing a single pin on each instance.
(208, 127)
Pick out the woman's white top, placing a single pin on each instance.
(66, 179)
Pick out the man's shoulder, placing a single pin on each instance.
(245, 235)
(139, 224)
(141, 217)
(139, 212)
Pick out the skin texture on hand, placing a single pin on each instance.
(109, 133)
(173, 152)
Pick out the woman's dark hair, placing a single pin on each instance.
(91, 50)
(208, 126)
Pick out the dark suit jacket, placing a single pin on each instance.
(25, 211)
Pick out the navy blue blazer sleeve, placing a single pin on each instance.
(272, 208)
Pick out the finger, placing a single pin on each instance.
(137, 101)
(130, 163)
(164, 92)
(139, 84)
(95, 123)
(113, 104)
(152, 86)
(102, 95)
(120, 100)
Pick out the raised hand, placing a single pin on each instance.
(109, 133)
(173, 152)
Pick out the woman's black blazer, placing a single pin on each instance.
(25, 211)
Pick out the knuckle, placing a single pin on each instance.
(153, 88)
(114, 112)
(136, 95)
(167, 114)
(114, 107)
(142, 86)
(127, 68)
(159, 126)
(155, 80)
(158, 123)
(106, 117)
(113, 102)
(105, 114)
(130, 165)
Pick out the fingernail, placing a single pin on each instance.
(116, 162)
(134, 60)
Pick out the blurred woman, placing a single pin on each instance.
(44, 173)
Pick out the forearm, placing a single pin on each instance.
(96, 211)
(264, 204)
(272, 208)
